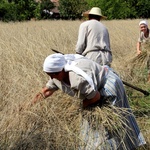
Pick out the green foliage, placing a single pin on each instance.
(140, 105)
(36, 11)
(120, 9)
(8, 12)
(45, 5)
(26, 9)
(144, 8)
(13, 10)
(116, 9)
(93, 3)
(71, 9)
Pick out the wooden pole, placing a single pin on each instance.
(146, 93)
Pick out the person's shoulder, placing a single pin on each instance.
(85, 23)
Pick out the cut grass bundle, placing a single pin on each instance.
(138, 66)
(62, 124)
(102, 126)
(140, 60)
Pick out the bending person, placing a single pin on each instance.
(71, 72)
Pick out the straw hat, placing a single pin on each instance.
(94, 11)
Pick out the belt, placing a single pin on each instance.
(105, 50)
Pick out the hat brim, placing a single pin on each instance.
(86, 14)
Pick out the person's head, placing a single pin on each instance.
(54, 66)
(95, 13)
(143, 26)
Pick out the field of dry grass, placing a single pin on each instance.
(52, 124)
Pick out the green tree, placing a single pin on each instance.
(139, 8)
(12, 10)
(72, 9)
(115, 9)
(8, 11)
(26, 9)
(143, 8)
(46, 5)
(93, 3)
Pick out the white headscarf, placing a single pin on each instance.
(56, 63)
(143, 22)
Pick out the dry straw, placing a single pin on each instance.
(138, 64)
(58, 125)
(54, 123)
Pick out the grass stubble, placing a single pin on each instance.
(55, 123)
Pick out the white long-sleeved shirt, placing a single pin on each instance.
(93, 35)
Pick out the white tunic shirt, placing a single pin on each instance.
(93, 37)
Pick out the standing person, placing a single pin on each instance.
(144, 42)
(93, 39)
(71, 72)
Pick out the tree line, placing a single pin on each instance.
(20, 10)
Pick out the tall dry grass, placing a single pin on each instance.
(53, 123)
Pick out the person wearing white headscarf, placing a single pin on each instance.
(81, 77)
(144, 42)
(144, 35)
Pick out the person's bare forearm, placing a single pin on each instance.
(45, 92)
(88, 102)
